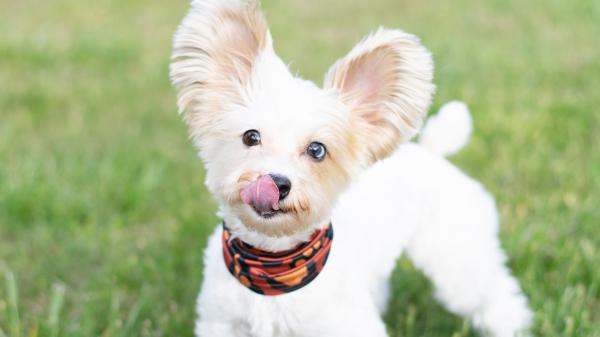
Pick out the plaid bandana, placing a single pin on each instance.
(269, 273)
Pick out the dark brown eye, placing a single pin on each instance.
(316, 150)
(251, 138)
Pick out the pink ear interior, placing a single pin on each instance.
(370, 79)
(385, 81)
(241, 35)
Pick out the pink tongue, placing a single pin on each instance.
(262, 194)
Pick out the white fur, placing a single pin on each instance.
(445, 222)
(411, 201)
(448, 131)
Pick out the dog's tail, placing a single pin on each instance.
(448, 131)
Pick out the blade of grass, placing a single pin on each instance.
(411, 318)
(113, 317)
(56, 303)
(134, 313)
(13, 304)
(466, 328)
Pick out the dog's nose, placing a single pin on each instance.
(284, 185)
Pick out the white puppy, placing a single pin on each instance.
(285, 159)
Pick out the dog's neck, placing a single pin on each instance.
(267, 242)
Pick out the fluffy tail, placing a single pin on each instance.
(448, 131)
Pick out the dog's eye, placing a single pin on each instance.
(316, 150)
(251, 138)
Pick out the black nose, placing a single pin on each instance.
(284, 185)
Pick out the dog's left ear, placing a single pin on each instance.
(215, 51)
(386, 82)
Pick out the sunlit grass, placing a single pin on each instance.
(103, 212)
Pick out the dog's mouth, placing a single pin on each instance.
(269, 213)
(263, 196)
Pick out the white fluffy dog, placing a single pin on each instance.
(285, 159)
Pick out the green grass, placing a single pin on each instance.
(103, 212)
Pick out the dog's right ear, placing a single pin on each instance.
(386, 82)
(214, 52)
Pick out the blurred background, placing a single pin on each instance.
(103, 211)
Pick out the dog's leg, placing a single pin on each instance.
(458, 249)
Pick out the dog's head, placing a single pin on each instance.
(278, 149)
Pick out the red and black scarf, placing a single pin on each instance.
(269, 273)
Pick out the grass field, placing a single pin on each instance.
(103, 212)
